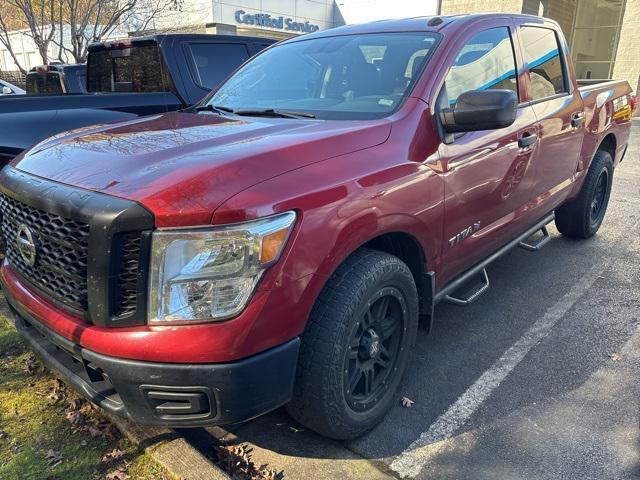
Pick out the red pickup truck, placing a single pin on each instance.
(281, 242)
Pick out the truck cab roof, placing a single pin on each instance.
(187, 37)
(435, 23)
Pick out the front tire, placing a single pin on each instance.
(583, 216)
(356, 346)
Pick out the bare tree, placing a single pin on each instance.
(71, 25)
(94, 20)
(36, 19)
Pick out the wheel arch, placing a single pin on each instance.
(400, 235)
(609, 144)
(404, 246)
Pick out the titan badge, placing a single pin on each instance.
(466, 233)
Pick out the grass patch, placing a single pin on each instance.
(49, 432)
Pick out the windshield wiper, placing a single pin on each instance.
(214, 108)
(272, 112)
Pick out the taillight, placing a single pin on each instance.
(633, 101)
(122, 43)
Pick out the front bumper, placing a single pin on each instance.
(169, 394)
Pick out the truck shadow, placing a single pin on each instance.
(465, 343)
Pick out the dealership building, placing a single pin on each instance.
(604, 35)
(269, 18)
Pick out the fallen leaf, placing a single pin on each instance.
(51, 454)
(57, 392)
(119, 474)
(407, 402)
(616, 357)
(73, 404)
(112, 455)
(74, 417)
(52, 457)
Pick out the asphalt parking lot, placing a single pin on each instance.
(539, 379)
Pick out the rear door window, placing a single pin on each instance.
(485, 62)
(542, 53)
(215, 61)
(134, 69)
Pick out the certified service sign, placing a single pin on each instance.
(281, 23)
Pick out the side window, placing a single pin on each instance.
(215, 61)
(545, 65)
(486, 61)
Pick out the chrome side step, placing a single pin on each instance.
(536, 244)
(483, 286)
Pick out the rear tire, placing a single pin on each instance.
(356, 346)
(582, 216)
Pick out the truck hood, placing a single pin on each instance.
(182, 166)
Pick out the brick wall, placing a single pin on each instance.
(563, 12)
(452, 7)
(15, 78)
(627, 63)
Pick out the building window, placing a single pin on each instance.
(542, 54)
(595, 37)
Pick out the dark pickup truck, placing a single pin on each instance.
(57, 78)
(126, 79)
(279, 243)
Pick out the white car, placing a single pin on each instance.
(8, 89)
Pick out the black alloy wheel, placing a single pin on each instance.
(582, 216)
(356, 346)
(599, 202)
(375, 343)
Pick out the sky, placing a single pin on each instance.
(358, 11)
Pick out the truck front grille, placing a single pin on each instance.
(60, 270)
(85, 251)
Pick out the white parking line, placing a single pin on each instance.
(410, 462)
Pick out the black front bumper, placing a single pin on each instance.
(169, 394)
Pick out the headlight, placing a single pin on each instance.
(208, 274)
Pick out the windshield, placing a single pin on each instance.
(345, 77)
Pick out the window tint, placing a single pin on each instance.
(214, 61)
(545, 66)
(135, 69)
(485, 62)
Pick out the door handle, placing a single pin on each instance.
(577, 119)
(527, 139)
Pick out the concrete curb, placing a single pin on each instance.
(171, 451)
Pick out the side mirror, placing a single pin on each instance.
(6, 91)
(480, 110)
